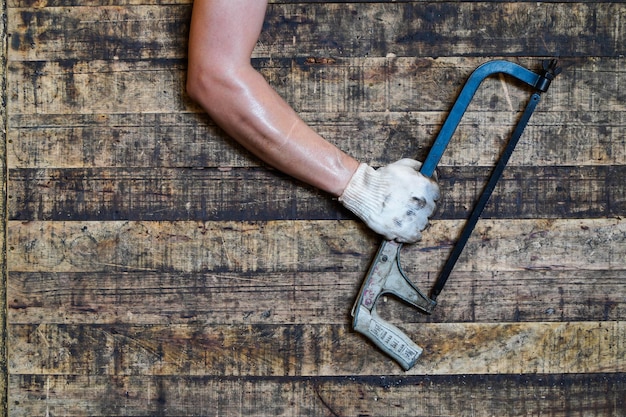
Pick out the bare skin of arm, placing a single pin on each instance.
(221, 79)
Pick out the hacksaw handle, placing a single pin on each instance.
(387, 337)
(385, 276)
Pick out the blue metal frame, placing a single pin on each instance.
(540, 82)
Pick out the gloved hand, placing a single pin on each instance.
(394, 201)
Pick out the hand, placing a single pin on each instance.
(394, 201)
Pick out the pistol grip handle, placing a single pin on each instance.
(387, 337)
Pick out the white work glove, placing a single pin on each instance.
(394, 201)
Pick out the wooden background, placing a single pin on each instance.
(154, 268)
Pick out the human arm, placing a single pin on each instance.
(221, 79)
(394, 201)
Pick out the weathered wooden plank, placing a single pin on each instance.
(331, 29)
(258, 194)
(305, 297)
(445, 29)
(411, 396)
(183, 246)
(308, 246)
(342, 85)
(167, 195)
(107, 32)
(309, 350)
(131, 140)
(100, 86)
(191, 140)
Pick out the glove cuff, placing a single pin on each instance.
(364, 192)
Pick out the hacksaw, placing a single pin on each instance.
(385, 275)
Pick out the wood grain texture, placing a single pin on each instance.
(290, 246)
(332, 30)
(188, 140)
(261, 195)
(426, 396)
(357, 85)
(229, 298)
(308, 350)
(155, 268)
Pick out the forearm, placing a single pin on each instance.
(251, 112)
(237, 97)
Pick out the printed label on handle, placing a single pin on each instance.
(395, 343)
(387, 337)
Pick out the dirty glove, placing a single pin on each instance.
(394, 201)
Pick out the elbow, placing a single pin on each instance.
(198, 83)
(207, 84)
(204, 80)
